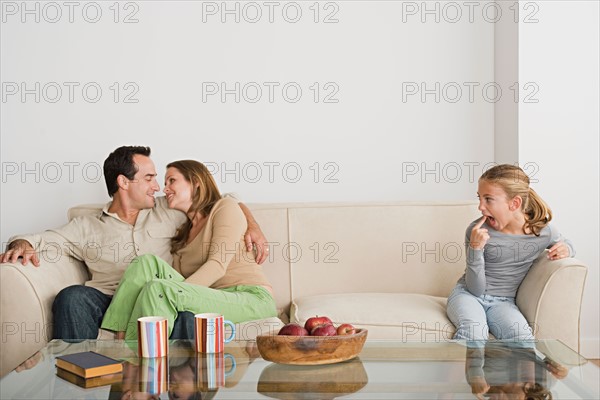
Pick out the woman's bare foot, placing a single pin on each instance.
(120, 335)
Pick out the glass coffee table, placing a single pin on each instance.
(383, 370)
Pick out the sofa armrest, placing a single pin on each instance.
(550, 298)
(26, 304)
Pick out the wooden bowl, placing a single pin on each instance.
(311, 350)
(312, 382)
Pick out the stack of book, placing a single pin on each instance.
(89, 369)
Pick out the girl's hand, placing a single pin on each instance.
(558, 251)
(479, 235)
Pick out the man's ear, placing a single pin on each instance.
(122, 182)
(515, 203)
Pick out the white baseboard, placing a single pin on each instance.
(590, 348)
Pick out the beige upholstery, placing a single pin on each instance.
(402, 316)
(405, 248)
(388, 267)
(549, 295)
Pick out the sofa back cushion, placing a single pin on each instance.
(386, 248)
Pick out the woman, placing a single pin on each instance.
(212, 270)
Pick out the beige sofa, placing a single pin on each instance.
(387, 267)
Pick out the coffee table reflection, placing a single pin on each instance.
(383, 370)
(312, 382)
(500, 370)
(185, 374)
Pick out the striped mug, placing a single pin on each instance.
(153, 338)
(210, 332)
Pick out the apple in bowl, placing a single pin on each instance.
(345, 329)
(293, 330)
(313, 322)
(318, 326)
(324, 330)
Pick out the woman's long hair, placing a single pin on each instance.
(515, 182)
(204, 196)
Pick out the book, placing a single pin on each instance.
(89, 364)
(97, 381)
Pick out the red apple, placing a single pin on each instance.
(312, 322)
(293, 330)
(346, 329)
(324, 330)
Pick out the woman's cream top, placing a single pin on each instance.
(217, 256)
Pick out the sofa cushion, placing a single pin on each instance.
(399, 316)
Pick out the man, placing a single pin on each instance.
(134, 223)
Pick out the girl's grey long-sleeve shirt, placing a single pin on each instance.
(501, 266)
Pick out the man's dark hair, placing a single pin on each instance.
(120, 162)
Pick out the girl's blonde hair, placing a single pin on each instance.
(515, 182)
(204, 196)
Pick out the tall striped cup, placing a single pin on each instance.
(153, 339)
(210, 332)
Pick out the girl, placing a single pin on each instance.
(212, 270)
(500, 248)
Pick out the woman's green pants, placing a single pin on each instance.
(151, 287)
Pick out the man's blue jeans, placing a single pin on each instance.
(78, 312)
(476, 317)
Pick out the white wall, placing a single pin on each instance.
(362, 143)
(560, 132)
(506, 73)
(377, 142)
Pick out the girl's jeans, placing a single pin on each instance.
(476, 317)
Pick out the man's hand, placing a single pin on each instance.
(20, 248)
(479, 235)
(254, 235)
